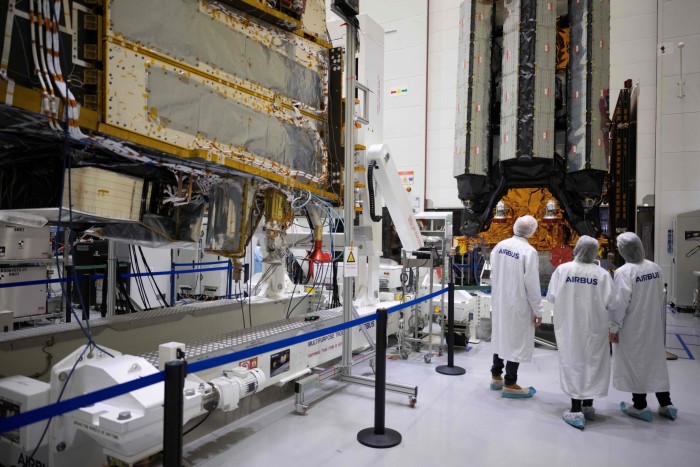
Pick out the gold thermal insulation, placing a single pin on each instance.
(532, 201)
(278, 211)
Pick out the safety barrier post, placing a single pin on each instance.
(172, 284)
(175, 373)
(379, 436)
(450, 368)
(229, 274)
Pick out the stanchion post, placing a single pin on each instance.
(379, 436)
(450, 368)
(229, 268)
(172, 284)
(175, 372)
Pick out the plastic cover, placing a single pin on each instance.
(181, 30)
(155, 231)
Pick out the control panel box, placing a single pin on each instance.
(26, 300)
(24, 243)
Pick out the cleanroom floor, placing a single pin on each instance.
(458, 421)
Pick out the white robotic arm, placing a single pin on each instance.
(380, 161)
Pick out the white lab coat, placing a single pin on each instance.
(639, 359)
(582, 295)
(516, 299)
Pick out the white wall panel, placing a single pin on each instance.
(647, 96)
(445, 37)
(679, 169)
(646, 121)
(678, 156)
(402, 148)
(440, 99)
(681, 132)
(670, 64)
(405, 38)
(633, 51)
(680, 17)
(385, 11)
(441, 190)
(439, 119)
(404, 33)
(415, 97)
(636, 71)
(690, 103)
(404, 122)
(629, 8)
(441, 139)
(439, 60)
(638, 26)
(401, 63)
(442, 5)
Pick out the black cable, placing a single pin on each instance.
(139, 281)
(240, 298)
(153, 279)
(289, 312)
(199, 423)
(370, 189)
(335, 298)
(125, 297)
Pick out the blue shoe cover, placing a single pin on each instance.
(669, 412)
(519, 394)
(644, 414)
(575, 419)
(589, 413)
(495, 385)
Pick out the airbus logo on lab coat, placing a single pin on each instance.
(582, 280)
(507, 252)
(647, 277)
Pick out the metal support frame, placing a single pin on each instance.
(349, 185)
(351, 85)
(415, 311)
(411, 391)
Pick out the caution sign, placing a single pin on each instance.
(407, 177)
(350, 262)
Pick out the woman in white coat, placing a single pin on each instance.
(582, 294)
(637, 332)
(516, 301)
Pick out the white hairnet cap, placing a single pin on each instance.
(630, 247)
(525, 226)
(586, 249)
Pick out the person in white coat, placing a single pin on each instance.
(582, 294)
(637, 332)
(516, 303)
